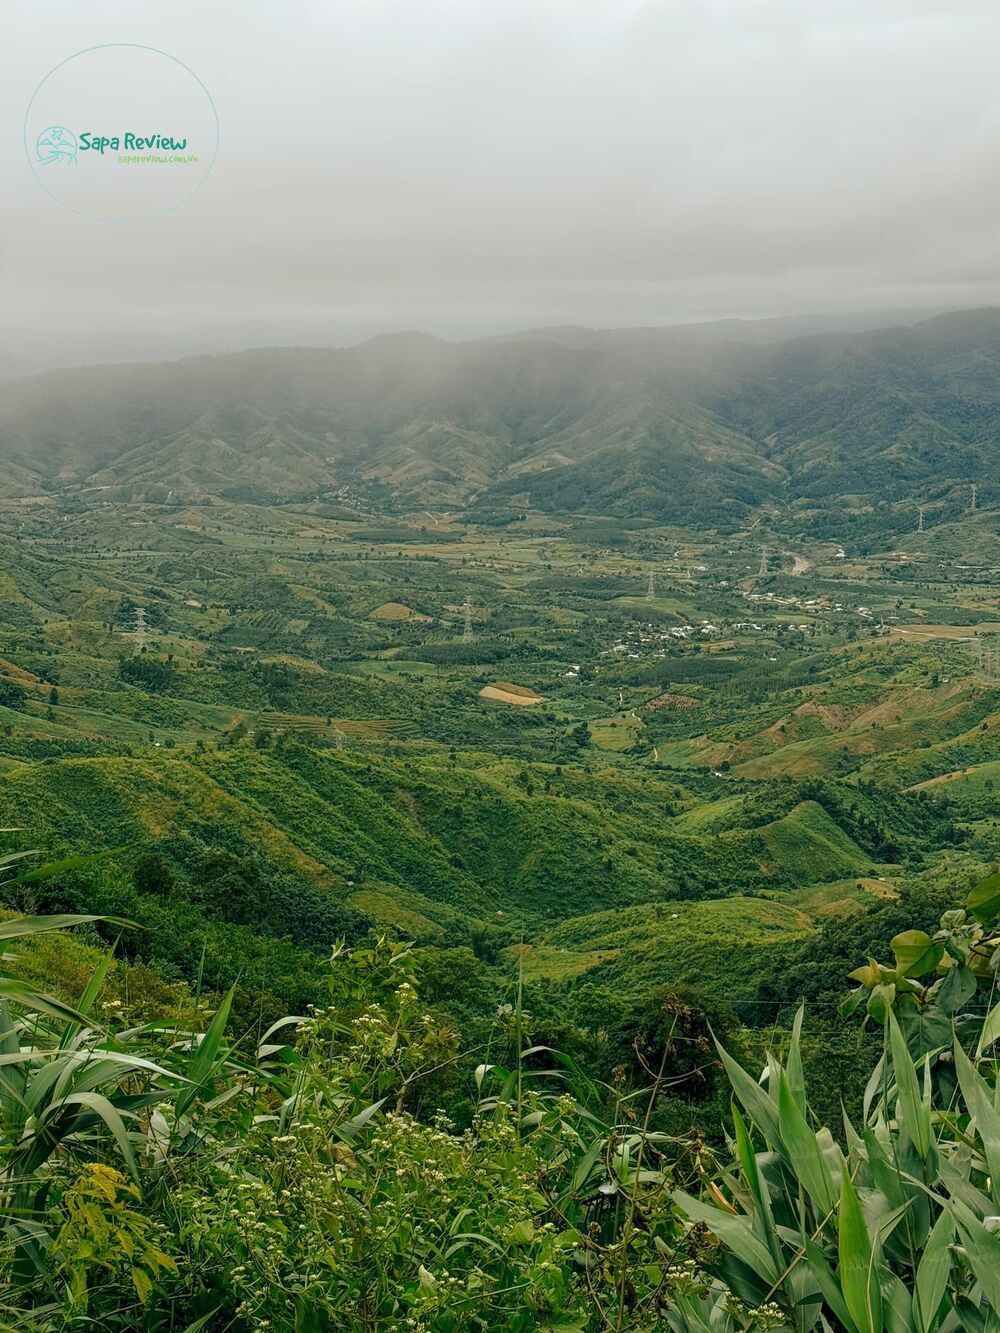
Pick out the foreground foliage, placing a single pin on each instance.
(168, 1174)
(895, 1226)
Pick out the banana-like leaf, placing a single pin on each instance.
(914, 1115)
(804, 1152)
(980, 1106)
(793, 1065)
(858, 1270)
(758, 1190)
(761, 1108)
(932, 1275)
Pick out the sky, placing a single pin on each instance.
(472, 167)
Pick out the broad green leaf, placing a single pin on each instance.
(758, 1190)
(201, 1323)
(19, 993)
(880, 1003)
(100, 1106)
(755, 1101)
(916, 953)
(804, 1152)
(875, 1086)
(896, 1307)
(869, 975)
(586, 1164)
(143, 1285)
(956, 989)
(980, 1106)
(914, 1116)
(984, 900)
(858, 1270)
(982, 1249)
(793, 1065)
(827, 1283)
(746, 1156)
(932, 1274)
(734, 1233)
(990, 1031)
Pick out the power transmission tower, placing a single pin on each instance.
(467, 634)
(651, 587)
(762, 572)
(140, 626)
(972, 502)
(920, 518)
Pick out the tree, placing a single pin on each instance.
(12, 695)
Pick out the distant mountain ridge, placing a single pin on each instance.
(698, 423)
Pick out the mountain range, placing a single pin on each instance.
(702, 423)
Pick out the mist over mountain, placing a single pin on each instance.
(697, 423)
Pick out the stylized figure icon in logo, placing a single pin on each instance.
(56, 144)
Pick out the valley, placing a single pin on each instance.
(575, 745)
(478, 732)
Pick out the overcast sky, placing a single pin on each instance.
(482, 165)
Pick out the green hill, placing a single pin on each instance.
(475, 840)
(699, 425)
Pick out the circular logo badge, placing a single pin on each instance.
(121, 133)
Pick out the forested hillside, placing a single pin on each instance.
(480, 732)
(681, 425)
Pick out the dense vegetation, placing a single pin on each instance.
(162, 1170)
(519, 813)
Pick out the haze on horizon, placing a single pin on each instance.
(475, 168)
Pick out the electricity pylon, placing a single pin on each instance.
(762, 572)
(651, 587)
(920, 518)
(467, 634)
(972, 501)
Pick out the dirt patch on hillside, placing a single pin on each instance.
(397, 611)
(14, 672)
(505, 693)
